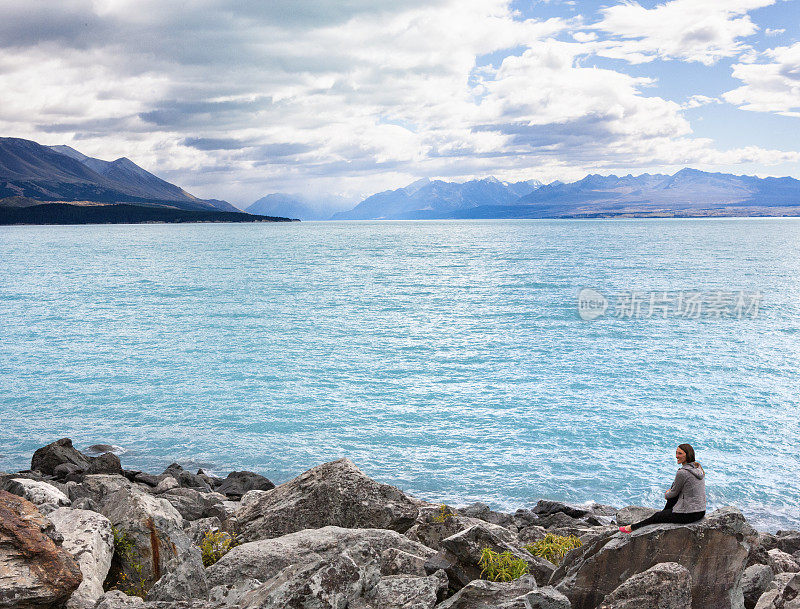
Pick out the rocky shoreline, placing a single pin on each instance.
(82, 532)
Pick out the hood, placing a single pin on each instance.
(695, 469)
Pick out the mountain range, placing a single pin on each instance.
(689, 192)
(35, 173)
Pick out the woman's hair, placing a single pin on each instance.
(687, 448)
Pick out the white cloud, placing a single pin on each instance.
(774, 32)
(693, 30)
(770, 86)
(697, 101)
(235, 100)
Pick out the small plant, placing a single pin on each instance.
(125, 554)
(215, 545)
(444, 514)
(554, 547)
(503, 567)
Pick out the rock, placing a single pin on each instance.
(100, 449)
(545, 507)
(47, 458)
(97, 488)
(237, 484)
(784, 595)
(155, 530)
(560, 520)
(107, 463)
(34, 571)
(531, 534)
(209, 479)
(262, 560)
(518, 594)
(781, 562)
(186, 479)
(398, 562)
(188, 580)
(250, 497)
(714, 550)
(403, 592)
(69, 472)
(755, 580)
(481, 511)
(197, 529)
(88, 537)
(433, 526)
(461, 554)
(333, 494)
(167, 484)
(114, 599)
(666, 585)
(36, 491)
(193, 505)
(633, 513)
(786, 541)
(323, 584)
(147, 479)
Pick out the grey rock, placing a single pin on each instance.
(782, 562)
(186, 479)
(197, 529)
(432, 526)
(714, 550)
(397, 562)
(37, 492)
(481, 511)
(403, 592)
(546, 598)
(784, 594)
(107, 463)
(47, 458)
(167, 484)
(460, 554)
(481, 594)
(187, 581)
(755, 580)
(148, 479)
(154, 527)
(532, 533)
(114, 599)
(332, 494)
(88, 537)
(193, 504)
(69, 471)
(666, 585)
(633, 513)
(786, 541)
(560, 520)
(237, 484)
(545, 507)
(97, 487)
(250, 497)
(264, 559)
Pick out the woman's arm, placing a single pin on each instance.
(677, 485)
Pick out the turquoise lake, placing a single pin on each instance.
(445, 357)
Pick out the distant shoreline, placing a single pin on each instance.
(120, 213)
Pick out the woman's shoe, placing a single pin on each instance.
(625, 530)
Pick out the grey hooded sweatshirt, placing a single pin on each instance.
(690, 489)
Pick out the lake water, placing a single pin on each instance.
(445, 357)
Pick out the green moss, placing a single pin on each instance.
(215, 545)
(503, 567)
(554, 547)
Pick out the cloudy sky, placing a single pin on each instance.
(235, 99)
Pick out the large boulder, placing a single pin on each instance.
(37, 492)
(519, 594)
(34, 572)
(88, 537)
(714, 550)
(238, 484)
(194, 505)
(154, 537)
(782, 562)
(403, 592)
(260, 561)
(47, 458)
(435, 524)
(461, 554)
(332, 494)
(755, 580)
(666, 585)
(784, 593)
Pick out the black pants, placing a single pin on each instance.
(667, 515)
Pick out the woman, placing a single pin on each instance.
(686, 498)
